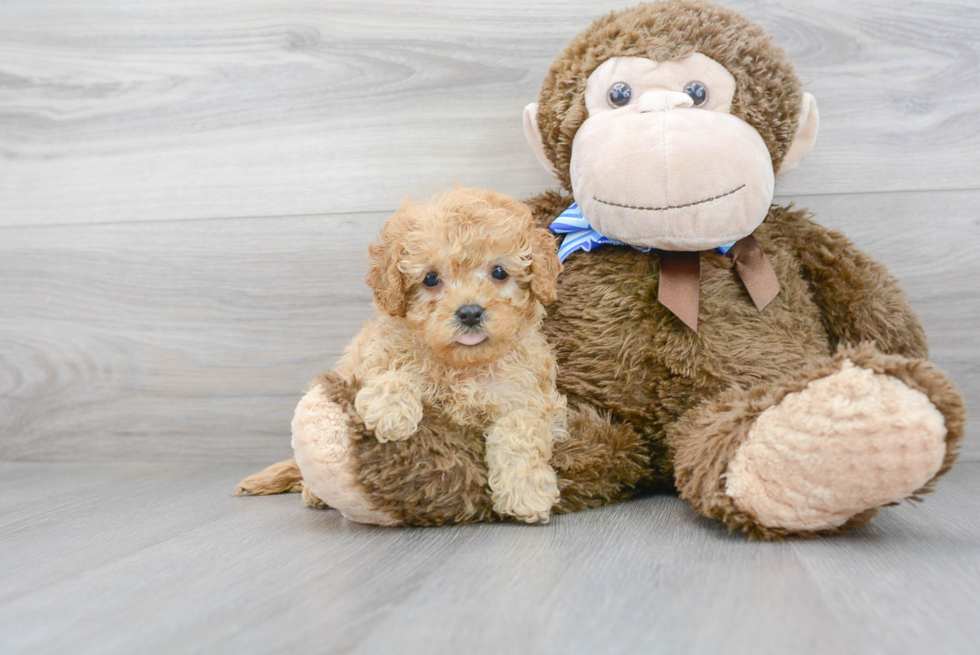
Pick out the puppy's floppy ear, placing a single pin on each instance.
(384, 277)
(545, 266)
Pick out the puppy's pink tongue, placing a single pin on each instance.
(470, 338)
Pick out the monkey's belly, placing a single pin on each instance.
(621, 350)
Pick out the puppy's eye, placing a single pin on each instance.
(620, 94)
(431, 279)
(697, 91)
(498, 273)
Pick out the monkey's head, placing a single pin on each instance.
(668, 123)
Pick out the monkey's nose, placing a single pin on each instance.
(662, 100)
(470, 315)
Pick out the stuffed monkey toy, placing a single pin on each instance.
(707, 341)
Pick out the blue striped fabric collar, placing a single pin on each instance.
(579, 234)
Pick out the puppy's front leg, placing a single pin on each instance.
(391, 405)
(521, 479)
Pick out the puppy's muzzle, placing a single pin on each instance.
(470, 315)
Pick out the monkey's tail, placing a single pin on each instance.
(280, 478)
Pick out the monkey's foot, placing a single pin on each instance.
(323, 442)
(845, 444)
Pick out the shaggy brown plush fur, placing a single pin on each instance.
(706, 439)
(652, 403)
(437, 476)
(622, 352)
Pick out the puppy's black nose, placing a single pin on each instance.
(470, 315)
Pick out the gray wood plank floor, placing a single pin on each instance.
(157, 558)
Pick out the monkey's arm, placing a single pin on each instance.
(859, 300)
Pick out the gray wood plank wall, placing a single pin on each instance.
(187, 189)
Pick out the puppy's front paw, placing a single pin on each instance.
(390, 406)
(529, 498)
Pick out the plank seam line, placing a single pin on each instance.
(782, 197)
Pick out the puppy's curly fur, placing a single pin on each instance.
(459, 284)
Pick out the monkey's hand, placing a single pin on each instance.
(390, 405)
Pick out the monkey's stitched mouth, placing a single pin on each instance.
(660, 209)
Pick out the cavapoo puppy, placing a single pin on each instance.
(458, 285)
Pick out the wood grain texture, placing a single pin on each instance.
(182, 340)
(121, 111)
(187, 190)
(158, 559)
(172, 339)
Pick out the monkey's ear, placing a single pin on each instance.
(385, 278)
(806, 134)
(533, 135)
(545, 266)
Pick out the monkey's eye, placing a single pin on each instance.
(697, 91)
(498, 273)
(431, 279)
(620, 94)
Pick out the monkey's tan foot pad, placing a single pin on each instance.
(323, 442)
(846, 443)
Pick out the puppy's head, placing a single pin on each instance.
(468, 271)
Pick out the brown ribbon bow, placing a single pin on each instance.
(680, 278)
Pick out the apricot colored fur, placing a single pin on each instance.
(409, 359)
